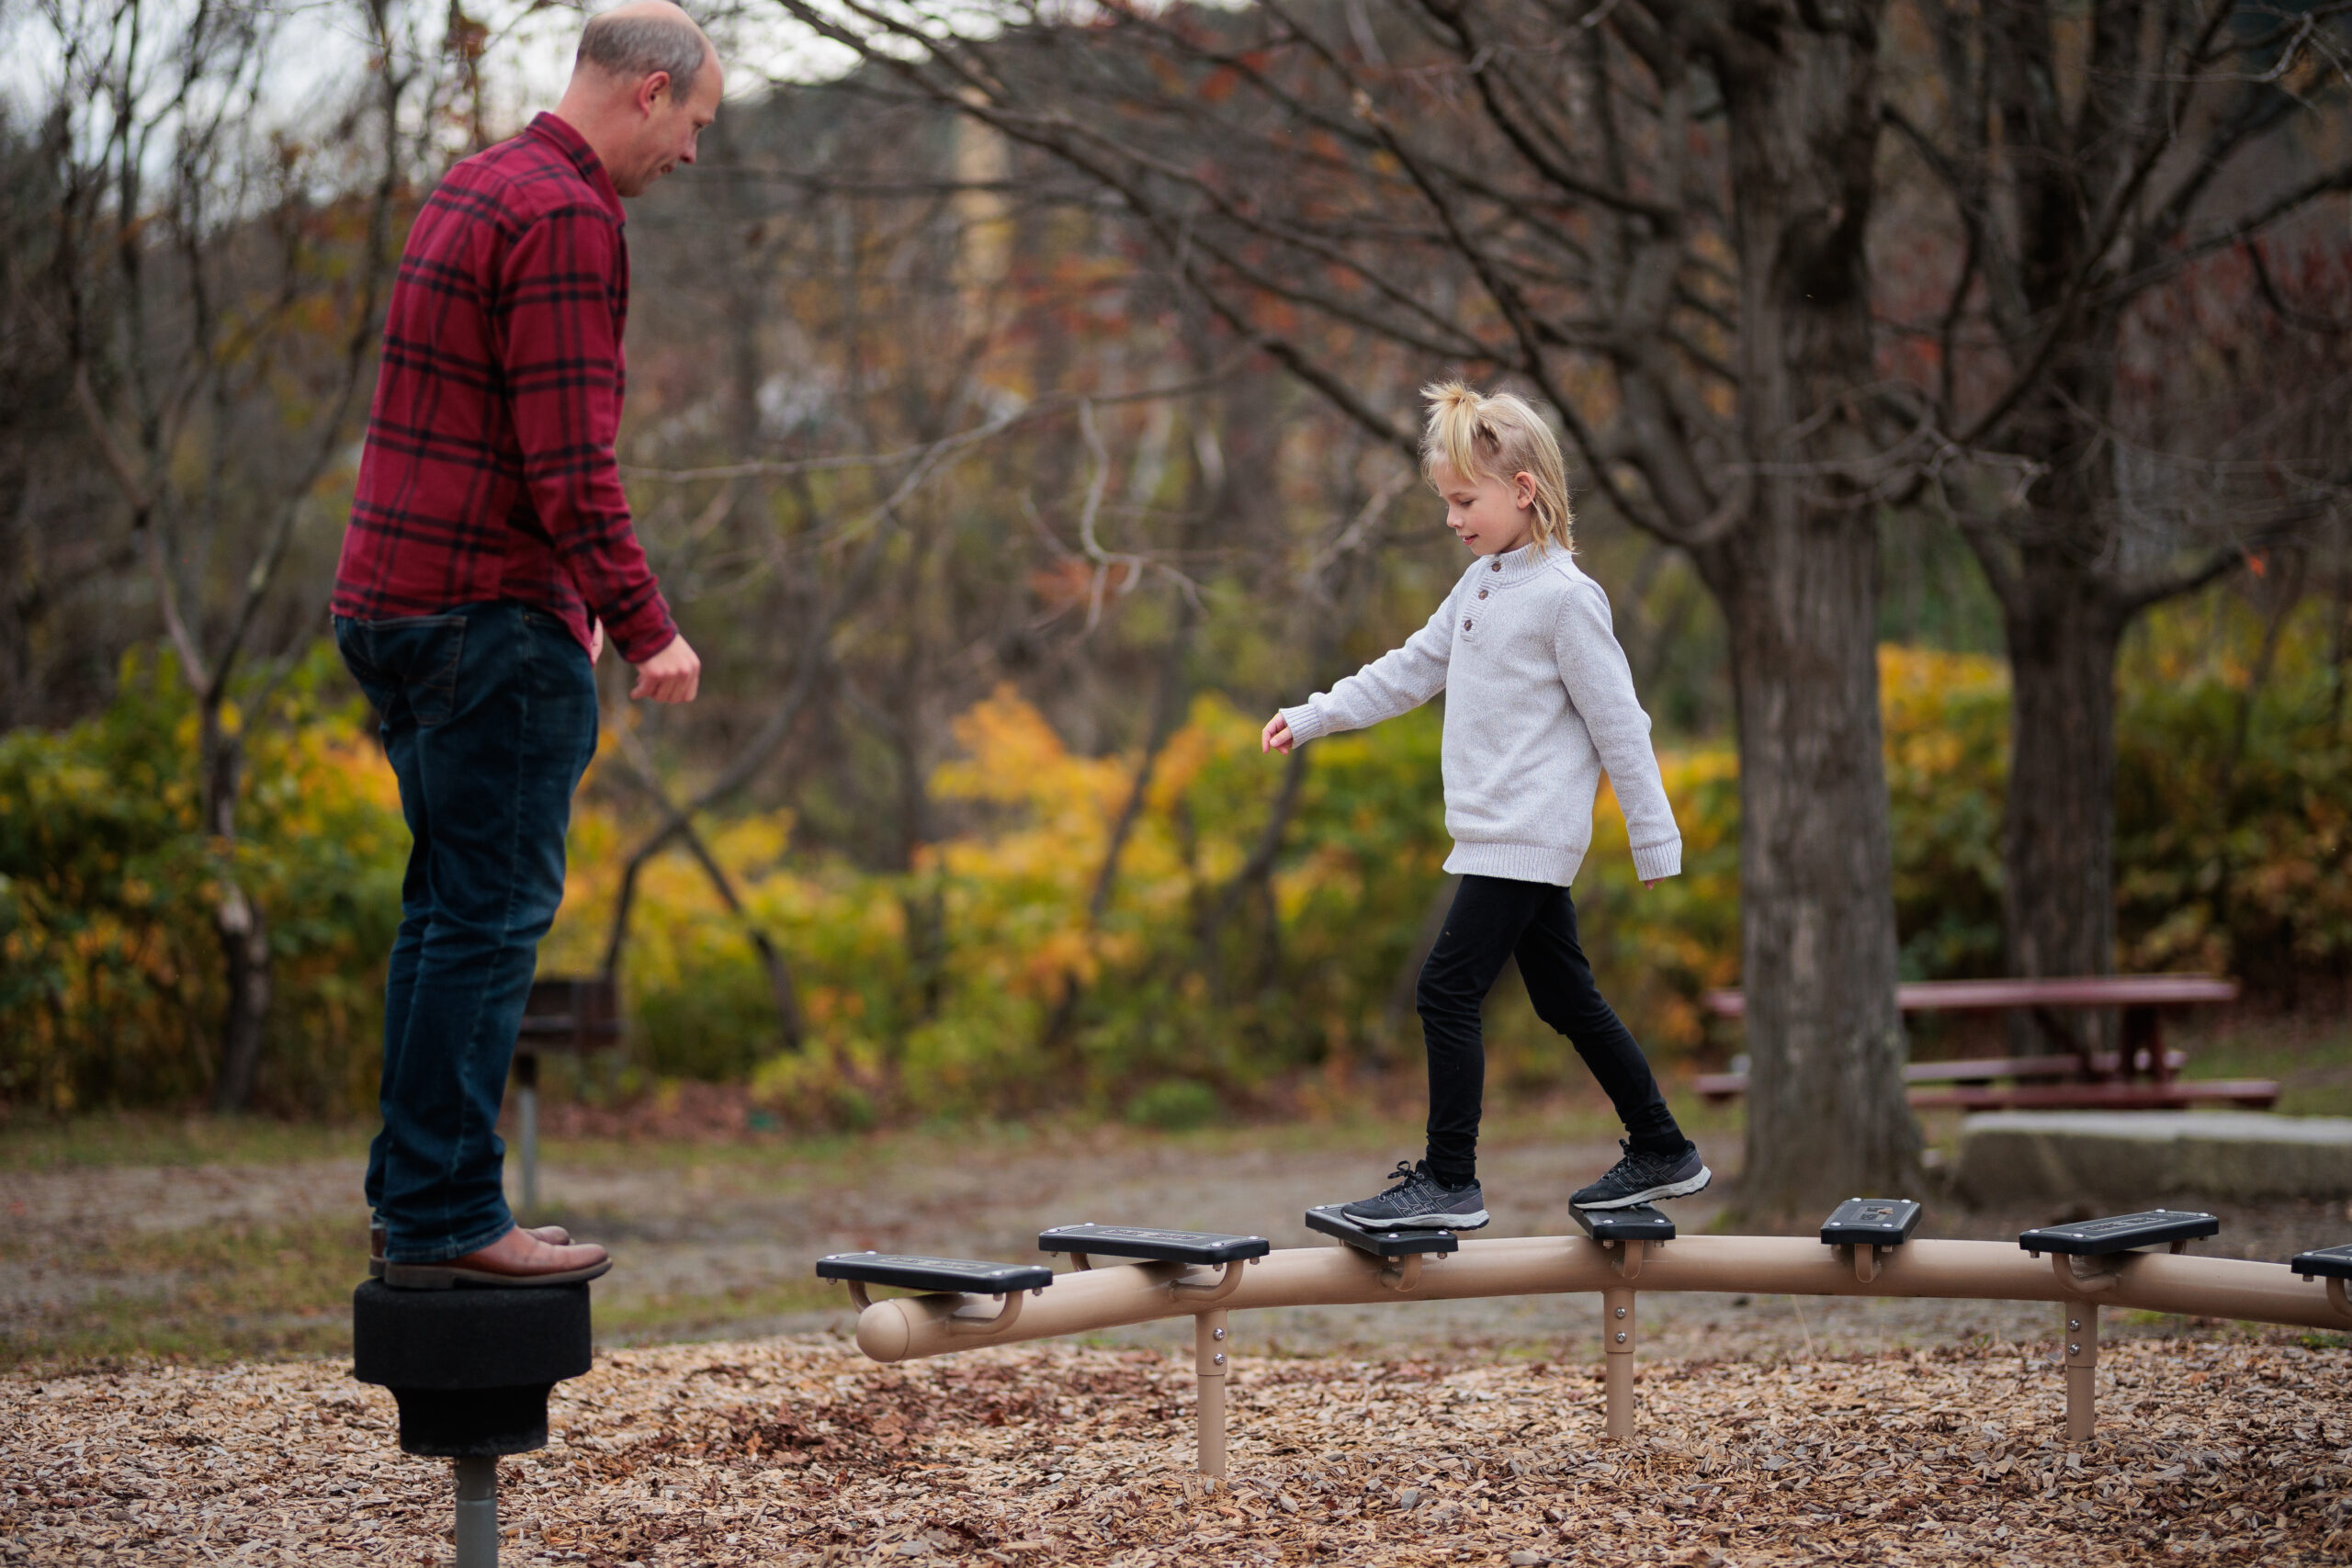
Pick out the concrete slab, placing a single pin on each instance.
(2139, 1156)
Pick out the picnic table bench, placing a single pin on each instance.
(2141, 1075)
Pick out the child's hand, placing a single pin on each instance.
(1276, 736)
(1650, 882)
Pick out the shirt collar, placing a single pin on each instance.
(1517, 566)
(574, 146)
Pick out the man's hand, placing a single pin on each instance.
(672, 675)
(1275, 737)
(595, 641)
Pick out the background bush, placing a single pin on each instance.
(1186, 998)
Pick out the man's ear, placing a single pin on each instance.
(651, 91)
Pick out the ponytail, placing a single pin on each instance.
(1495, 436)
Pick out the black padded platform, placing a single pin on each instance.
(1871, 1222)
(1639, 1223)
(1163, 1247)
(470, 1368)
(2327, 1263)
(1379, 1244)
(2120, 1232)
(934, 1273)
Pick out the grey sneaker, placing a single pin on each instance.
(1645, 1177)
(1421, 1200)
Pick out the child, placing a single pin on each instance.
(1539, 700)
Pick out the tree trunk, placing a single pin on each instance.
(1798, 581)
(244, 949)
(237, 919)
(2058, 830)
(1826, 1116)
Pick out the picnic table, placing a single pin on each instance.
(2143, 1074)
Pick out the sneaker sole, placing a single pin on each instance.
(1475, 1220)
(1654, 1194)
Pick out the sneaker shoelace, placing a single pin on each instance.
(1404, 1176)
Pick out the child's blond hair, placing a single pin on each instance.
(1495, 435)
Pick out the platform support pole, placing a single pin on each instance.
(1209, 1344)
(2079, 1319)
(1617, 1341)
(527, 1112)
(477, 1513)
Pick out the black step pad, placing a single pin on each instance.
(1641, 1222)
(1379, 1244)
(934, 1273)
(2120, 1232)
(494, 1336)
(2327, 1263)
(1163, 1247)
(1871, 1222)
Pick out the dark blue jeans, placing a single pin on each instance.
(1495, 919)
(488, 715)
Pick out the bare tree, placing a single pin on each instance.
(1654, 215)
(2092, 167)
(219, 318)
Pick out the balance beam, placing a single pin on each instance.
(1864, 1250)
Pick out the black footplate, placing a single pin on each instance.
(934, 1273)
(1379, 1244)
(1638, 1221)
(2120, 1232)
(2327, 1263)
(1092, 1240)
(1871, 1222)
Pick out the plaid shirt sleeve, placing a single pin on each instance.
(563, 291)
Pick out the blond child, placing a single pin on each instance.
(1539, 703)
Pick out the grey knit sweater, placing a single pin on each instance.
(1539, 701)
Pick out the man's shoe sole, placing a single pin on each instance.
(446, 1276)
(1474, 1220)
(1653, 1194)
(554, 1236)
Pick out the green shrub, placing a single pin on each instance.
(1175, 1105)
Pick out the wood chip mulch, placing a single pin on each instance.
(800, 1451)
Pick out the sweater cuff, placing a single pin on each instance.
(1652, 862)
(1305, 723)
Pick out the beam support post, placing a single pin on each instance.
(1209, 1365)
(1617, 1341)
(2079, 1319)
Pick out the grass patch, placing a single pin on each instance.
(211, 1293)
(152, 1138)
(657, 1319)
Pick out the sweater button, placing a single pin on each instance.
(1466, 623)
(1482, 594)
(1493, 566)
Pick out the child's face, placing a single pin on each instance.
(1490, 515)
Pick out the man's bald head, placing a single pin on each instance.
(633, 42)
(646, 82)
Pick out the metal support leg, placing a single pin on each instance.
(526, 1111)
(1209, 1364)
(2081, 1321)
(1617, 1339)
(477, 1513)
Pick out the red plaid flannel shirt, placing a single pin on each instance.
(489, 471)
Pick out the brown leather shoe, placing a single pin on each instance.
(518, 1257)
(554, 1236)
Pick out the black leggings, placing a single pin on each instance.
(1493, 919)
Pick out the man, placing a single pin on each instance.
(490, 552)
